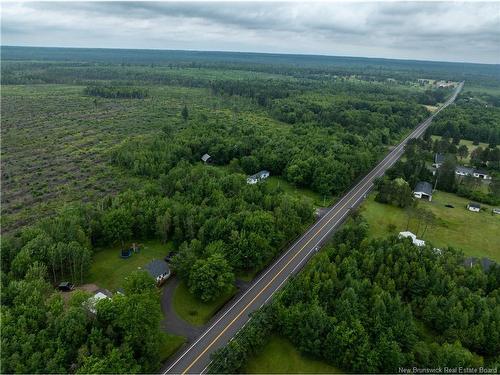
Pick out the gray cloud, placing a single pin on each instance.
(455, 31)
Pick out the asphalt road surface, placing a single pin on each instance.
(196, 357)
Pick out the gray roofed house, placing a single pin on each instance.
(159, 270)
(423, 189)
(206, 158)
(463, 171)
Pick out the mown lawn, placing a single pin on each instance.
(192, 310)
(109, 270)
(279, 356)
(170, 344)
(474, 233)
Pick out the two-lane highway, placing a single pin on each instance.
(197, 356)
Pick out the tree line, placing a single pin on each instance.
(116, 92)
(469, 119)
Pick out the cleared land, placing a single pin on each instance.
(109, 270)
(56, 142)
(470, 147)
(279, 356)
(474, 233)
(192, 310)
(288, 188)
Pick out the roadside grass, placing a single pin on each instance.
(192, 310)
(279, 356)
(476, 234)
(317, 199)
(170, 344)
(108, 270)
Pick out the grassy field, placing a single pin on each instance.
(474, 233)
(193, 311)
(108, 270)
(171, 343)
(279, 356)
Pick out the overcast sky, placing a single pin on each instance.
(449, 31)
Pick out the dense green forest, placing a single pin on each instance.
(380, 305)
(474, 118)
(102, 147)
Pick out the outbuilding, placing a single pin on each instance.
(423, 190)
(474, 207)
(206, 158)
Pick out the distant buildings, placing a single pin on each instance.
(445, 84)
(423, 190)
(262, 175)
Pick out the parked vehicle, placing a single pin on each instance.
(65, 286)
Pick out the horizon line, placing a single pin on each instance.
(256, 53)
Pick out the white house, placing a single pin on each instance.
(423, 190)
(253, 179)
(474, 207)
(413, 237)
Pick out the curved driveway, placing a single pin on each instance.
(196, 357)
